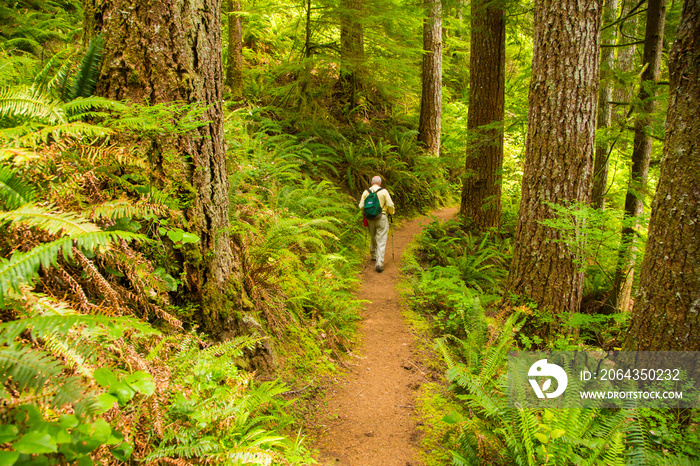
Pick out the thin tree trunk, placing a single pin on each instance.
(351, 49)
(171, 52)
(603, 146)
(626, 33)
(431, 97)
(641, 153)
(307, 35)
(666, 315)
(234, 68)
(558, 152)
(481, 192)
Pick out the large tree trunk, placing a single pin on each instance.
(666, 314)
(481, 192)
(234, 66)
(603, 146)
(431, 97)
(352, 50)
(641, 153)
(559, 150)
(170, 51)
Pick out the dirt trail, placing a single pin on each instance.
(368, 418)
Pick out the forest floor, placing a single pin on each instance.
(368, 417)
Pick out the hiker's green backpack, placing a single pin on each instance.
(372, 207)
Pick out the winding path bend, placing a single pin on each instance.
(369, 416)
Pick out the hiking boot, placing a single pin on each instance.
(379, 268)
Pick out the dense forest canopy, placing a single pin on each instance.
(180, 236)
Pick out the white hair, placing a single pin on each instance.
(377, 179)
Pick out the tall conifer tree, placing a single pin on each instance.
(602, 146)
(481, 192)
(641, 152)
(431, 97)
(234, 65)
(666, 315)
(559, 150)
(165, 52)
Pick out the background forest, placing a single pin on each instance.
(180, 239)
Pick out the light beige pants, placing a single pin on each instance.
(379, 232)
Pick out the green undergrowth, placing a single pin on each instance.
(99, 348)
(455, 287)
(102, 358)
(432, 399)
(349, 155)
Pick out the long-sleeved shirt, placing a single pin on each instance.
(384, 199)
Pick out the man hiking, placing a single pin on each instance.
(377, 204)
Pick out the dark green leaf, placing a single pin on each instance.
(35, 443)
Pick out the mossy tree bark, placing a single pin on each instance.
(641, 153)
(558, 152)
(234, 57)
(481, 191)
(167, 52)
(666, 315)
(429, 126)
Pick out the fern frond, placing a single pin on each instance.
(481, 399)
(31, 369)
(27, 367)
(60, 78)
(122, 208)
(468, 443)
(47, 219)
(189, 355)
(80, 105)
(83, 303)
(92, 241)
(608, 432)
(245, 455)
(13, 191)
(641, 451)
(40, 83)
(25, 43)
(45, 326)
(169, 318)
(156, 415)
(85, 80)
(166, 460)
(112, 155)
(72, 359)
(22, 267)
(74, 130)
(614, 451)
(196, 449)
(496, 356)
(231, 347)
(97, 278)
(528, 428)
(23, 103)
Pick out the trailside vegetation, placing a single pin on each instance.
(179, 245)
(456, 288)
(104, 354)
